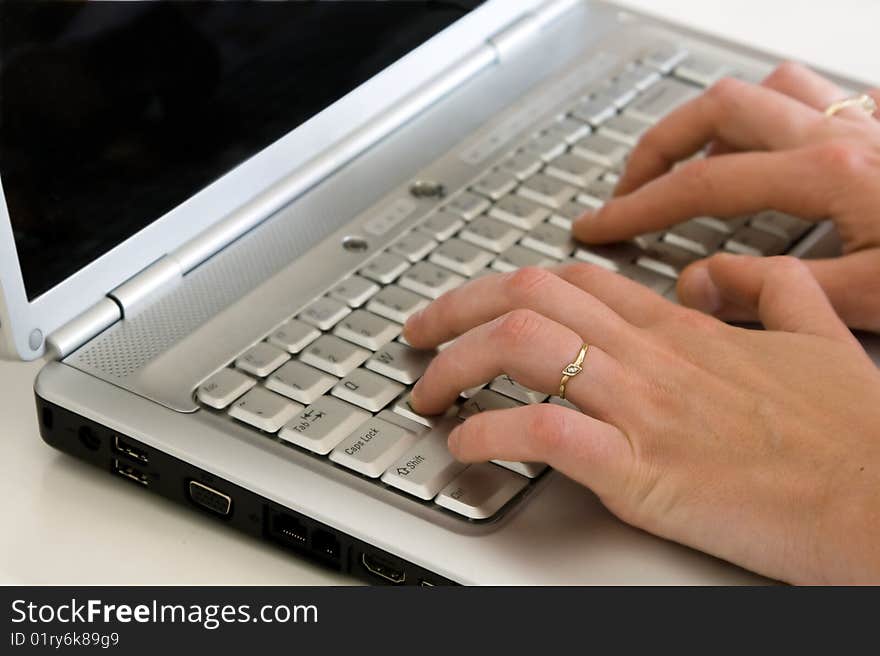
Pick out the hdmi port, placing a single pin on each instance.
(378, 566)
(130, 450)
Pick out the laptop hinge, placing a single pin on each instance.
(522, 30)
(157, 279)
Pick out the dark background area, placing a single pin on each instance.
(113, 113)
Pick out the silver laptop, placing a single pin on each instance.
(216, 218)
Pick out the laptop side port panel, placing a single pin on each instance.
(140, 466)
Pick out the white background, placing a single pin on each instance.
(63, 522)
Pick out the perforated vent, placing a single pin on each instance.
(128, 345)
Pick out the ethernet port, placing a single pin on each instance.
(289, 530)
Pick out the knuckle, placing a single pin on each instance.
(786, 74)
(518, 327)
(842, 157)
(725, 91)
(525, 282)
(547, 426)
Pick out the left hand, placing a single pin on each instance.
(760, 447)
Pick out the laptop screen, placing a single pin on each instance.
(113, 113)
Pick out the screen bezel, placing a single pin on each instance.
(19, 317)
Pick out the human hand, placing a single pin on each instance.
(772, 148)
(760, 447)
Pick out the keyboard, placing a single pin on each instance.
(334, 380)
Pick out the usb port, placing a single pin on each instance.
(131, 473)
(210, 499)
(128, 449)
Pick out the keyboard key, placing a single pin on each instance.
(430, 280)
(485, 400)
(262, 359)
(784, 226)
(324, 313)
(594, 110)
(608, 256)
(300, 382)
(396, 303)
(427, 466)
(490, 234)
(527, 469)
(400, 362)
(661, 99)
(546, 190)
(480, 491)
(334, 355)
(546, 147)
(367, 330)
(666, 259)
(323, 425)
(495, 184)
(442, 225)
(414, 246)
(374, 445)
(566, 215)
(517, 257)
(625, 129)
(223, 388)
(639, 76)
(367, 390)
(651, 279)
(566, 129)
(701, 70)
(293, 336)
(550, 240)
(751, 241)
(385, 268)
(507, 386)
(404, 409)
(522, 164)
(724, 226)
(695, 237)
(596, 194)
(264, 410)
(573, 169)
(664, 56)
(619, 92)
(354, 291)
(519, 212)
(461, 257)
(467, 205)
(601, 150)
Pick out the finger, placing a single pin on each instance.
(530, 288)
(591, 452)
(744, 116)
(798, 182)
(781, 290)
(848, 281)
(634, 302)
(531, 349)
(875, 94)
(804, 85)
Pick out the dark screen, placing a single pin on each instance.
(113, 113)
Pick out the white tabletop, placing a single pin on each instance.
(64, 522)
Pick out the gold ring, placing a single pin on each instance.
(863, 101)
(573, 369)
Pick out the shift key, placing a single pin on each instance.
(427, 467)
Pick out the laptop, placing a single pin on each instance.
(215, 218)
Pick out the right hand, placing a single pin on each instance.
(771, 148)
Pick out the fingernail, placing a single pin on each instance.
(700, 292)
(586, 217)
(453, 440)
